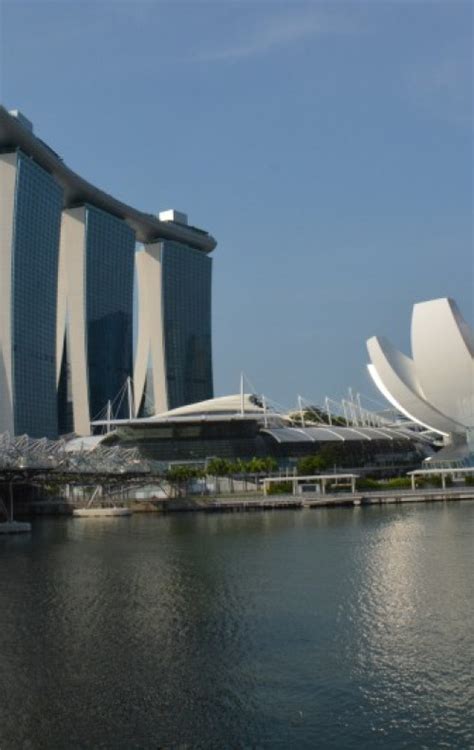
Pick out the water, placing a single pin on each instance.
(348, 628)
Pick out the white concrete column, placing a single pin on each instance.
(71, 315)
(8, 167)
(151, 347)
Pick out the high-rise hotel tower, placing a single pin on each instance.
(67, 258)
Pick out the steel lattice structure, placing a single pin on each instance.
(25, 454)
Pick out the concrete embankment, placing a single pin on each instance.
(242, 503)
(341, 499)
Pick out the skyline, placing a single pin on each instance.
(351, 212)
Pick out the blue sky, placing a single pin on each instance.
(327, 146)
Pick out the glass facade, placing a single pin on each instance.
(186, 301)
(244, 439)
(37, 218)
(110, 251)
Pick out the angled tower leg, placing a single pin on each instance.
(150, 371)
(71, 360)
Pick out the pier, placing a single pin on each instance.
(318, 500)
(380, 497)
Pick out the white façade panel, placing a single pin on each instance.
(72, 312)
(8, 166)
(443, 350)
(142, 354)
(150, 340)
(394, 375)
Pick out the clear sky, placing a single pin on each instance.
(327, 147)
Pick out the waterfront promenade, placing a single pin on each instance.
(257, 502)
(316, 500)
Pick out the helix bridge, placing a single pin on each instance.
(24, 456)
(41, 468)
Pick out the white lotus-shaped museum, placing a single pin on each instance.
(435, 386)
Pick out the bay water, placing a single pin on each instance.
(328, 628)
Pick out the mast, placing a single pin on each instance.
(300, 404)
(361, 413)
(328, 411)
(130, 398)
(109, 414)
(345, 412)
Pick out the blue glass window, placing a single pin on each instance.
(110, 252)
(37, 219)
(186, 280)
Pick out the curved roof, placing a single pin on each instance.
(148, 228)
(220, 405)
(331, 434)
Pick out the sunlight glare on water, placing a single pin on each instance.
(347, 628)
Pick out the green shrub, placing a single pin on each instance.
(183, 473)
(310, 465)
(433, 481)
(364, 483)
(222, 467)
(279, 488)
(397, 483)
(334, 487)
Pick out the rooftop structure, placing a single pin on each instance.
(242, 426)
(16, 132)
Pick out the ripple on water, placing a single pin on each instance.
(312, 629)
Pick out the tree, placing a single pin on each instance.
(271, 464)
(253, 466)
(180, 476)
(312, 464)
(218, 467)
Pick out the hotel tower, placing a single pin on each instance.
(68, 254)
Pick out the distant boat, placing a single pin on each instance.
(10, 526)
(15, 527)
(101, 512)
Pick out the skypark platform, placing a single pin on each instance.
(15, 133)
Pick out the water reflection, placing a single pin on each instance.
(289, 629)
(411, 607)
